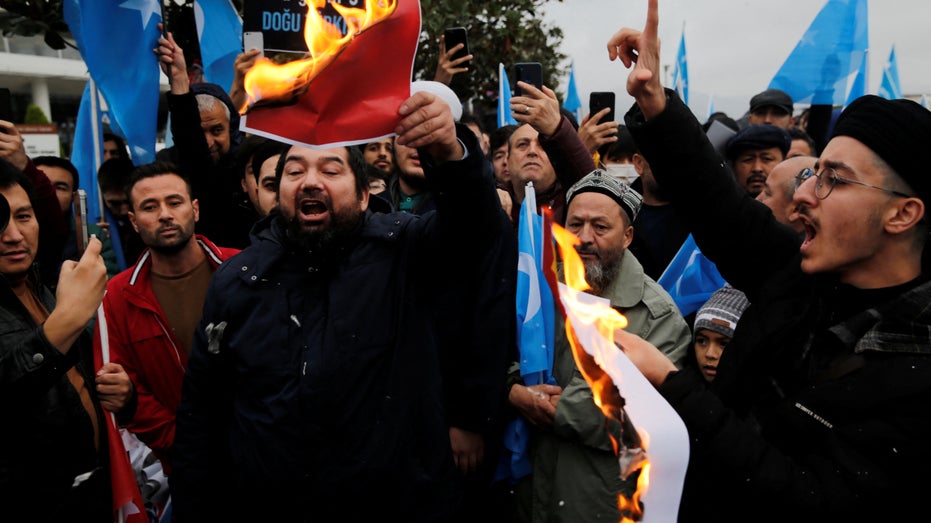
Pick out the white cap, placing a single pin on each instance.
(443, 91)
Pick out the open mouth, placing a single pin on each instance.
(313, 208)
(810, 231)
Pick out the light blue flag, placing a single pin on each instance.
(219, 31)
(535, 331)
(87, 160)
(573, 103)
(858, 88)
(82, 151)
(889, 87)
(680, 75)
(535, 306)
(690, 278)
(924, 101)
(504, 98)
(710, 105)
(116, 39)
(828, 53)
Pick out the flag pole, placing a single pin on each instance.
(95, 129)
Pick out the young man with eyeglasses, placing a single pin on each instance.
(820, 409)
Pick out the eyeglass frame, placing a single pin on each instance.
(801, 177)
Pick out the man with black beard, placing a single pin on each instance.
(575, 469)
(315, 388)
(151, 309)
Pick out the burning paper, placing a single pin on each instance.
(348, 88)
(616, 382)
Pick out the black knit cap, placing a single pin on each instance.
(898, 131)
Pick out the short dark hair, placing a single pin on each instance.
(243, 155)
(120, 144)
(357, 164)
(500, 135)
(61, 163)
(11, 175)
(797, 133)
(151, 170)
(113, 174)
(263, 152)
(624, 148)
(468, 118)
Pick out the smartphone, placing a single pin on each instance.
(454, 36)
(253, 40)
(528, 72)
(6, 107)
(598, 100)
(80, 220)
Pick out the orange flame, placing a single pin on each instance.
(273, 82)
(605, 391)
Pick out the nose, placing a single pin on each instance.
(12, 234)
(164, 212)
(714, 351)
(805, 194)
(585, 235)
(758, 164)
(310, 180)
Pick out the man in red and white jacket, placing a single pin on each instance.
(152, 308)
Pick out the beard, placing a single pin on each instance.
(600, 273)
(301, 240)
(172, 246)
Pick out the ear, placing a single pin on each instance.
(639, 162)
(904, 215)
(132, 220)
(196, 205)
(364, 201)
(628, 235)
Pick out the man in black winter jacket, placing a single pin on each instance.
(820, 408)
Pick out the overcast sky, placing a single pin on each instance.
(734, 47)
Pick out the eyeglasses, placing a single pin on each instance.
(828, 178)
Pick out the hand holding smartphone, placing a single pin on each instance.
(454, 36)
(599, 100)
(530, 73)
(253, 40)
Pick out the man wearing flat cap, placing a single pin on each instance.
(754, 151)
(772, 106)
(819, 411)
(575, 470)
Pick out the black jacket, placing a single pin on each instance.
(314, 391)
(47, 438)
(821, 411)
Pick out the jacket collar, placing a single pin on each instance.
(144, 265)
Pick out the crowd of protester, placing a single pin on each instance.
(295, 334)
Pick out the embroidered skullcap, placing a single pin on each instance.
(602, 182)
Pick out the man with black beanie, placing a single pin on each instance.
(819, 411)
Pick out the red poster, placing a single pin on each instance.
(355, 98)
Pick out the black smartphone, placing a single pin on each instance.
(528, 72)
(598, 100)
(454, 36)
(6, 106)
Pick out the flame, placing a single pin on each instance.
(631, 452)
(273, 82)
